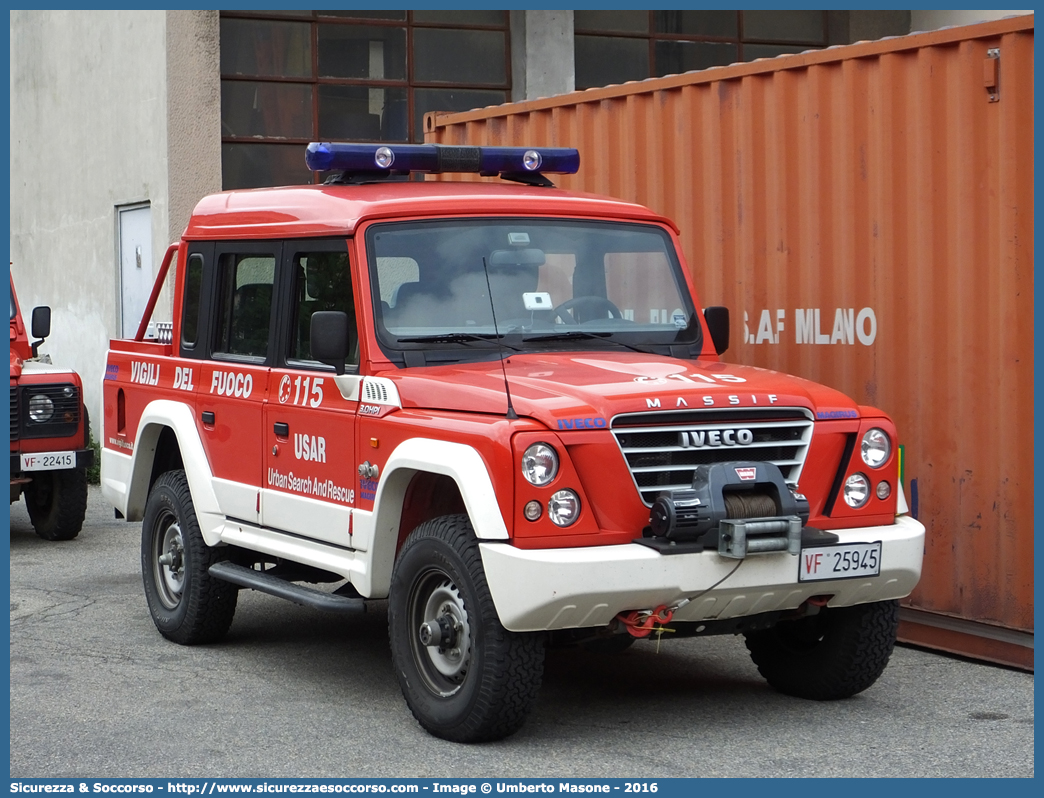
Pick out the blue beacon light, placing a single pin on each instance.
(436, 158)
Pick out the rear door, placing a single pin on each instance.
(309, 425)
(234, 377)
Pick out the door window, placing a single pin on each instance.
(320, 281)
(245, 305)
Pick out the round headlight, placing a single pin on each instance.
(539, 464)
(41, 408)
(876, 447)
(857, 490)
(563, 507)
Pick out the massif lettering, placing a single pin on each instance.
(848, 327)
(709, 401)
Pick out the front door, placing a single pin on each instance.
(309, 426)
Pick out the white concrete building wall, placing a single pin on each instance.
(96, 124)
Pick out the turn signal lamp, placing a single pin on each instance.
(437, 158)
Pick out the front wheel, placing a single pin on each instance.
(187, 604)
(835, 654)
(464, 677)
(57, 503)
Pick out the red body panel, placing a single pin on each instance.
(287, 431)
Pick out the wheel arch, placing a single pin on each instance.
(415, 466)
(167, 439)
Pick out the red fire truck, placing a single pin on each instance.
(50, 447)
(500, 407)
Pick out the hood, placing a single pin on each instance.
(586, 390)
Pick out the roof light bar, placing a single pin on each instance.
(436, 158)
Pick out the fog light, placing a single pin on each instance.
(41, 408)
(564, 507)
(884, 490)
(857, 490)
(532, 510)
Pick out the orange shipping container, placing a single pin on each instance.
(866, 213)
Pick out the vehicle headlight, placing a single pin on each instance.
(563, 508)
(876, 447)
(41, 408)
(857, 490)
(539, 464)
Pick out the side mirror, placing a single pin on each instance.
(718, 323)
(328, 332)
(41, 321)
(41, 326)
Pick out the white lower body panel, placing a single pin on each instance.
(538, 589)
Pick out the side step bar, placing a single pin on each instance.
(265, 583)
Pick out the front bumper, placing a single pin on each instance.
(544, 589)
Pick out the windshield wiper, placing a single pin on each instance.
(454, 338)
(573, 335)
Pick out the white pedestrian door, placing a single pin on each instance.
(136, 277)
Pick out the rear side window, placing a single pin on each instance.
(191, 300)
(245, 285)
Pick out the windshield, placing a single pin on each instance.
(581, 284)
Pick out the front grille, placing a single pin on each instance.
(14, 412)
(663, 449)
(64, 420)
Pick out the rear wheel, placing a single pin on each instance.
(187, 604)
(57, 503)
(835, 654)
(464, 677)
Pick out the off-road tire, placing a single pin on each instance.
(187, 604)
(835, 654)
(57, 503)
(484, 691)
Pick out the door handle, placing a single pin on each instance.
(208, 417)
(282, 430)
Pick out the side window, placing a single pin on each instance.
(244, 305)
(320, 281)
(191, 301)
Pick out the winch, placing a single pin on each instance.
(739, 508)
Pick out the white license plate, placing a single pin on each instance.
(840, 562)
(48, 461)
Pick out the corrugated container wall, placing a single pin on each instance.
(866, 214)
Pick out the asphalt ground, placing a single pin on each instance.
(293, 692)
